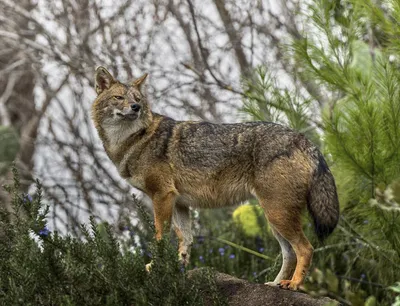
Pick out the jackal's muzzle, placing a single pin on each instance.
(130, 113)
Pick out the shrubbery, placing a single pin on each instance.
(39, 267)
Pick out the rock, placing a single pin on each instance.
(240, 292)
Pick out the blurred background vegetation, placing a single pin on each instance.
(330, 71)
(354, 56)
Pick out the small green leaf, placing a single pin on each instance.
(371, 301)
(332, 281)
(317, 276)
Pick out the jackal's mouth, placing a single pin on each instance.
(128, 116)
(131, 116)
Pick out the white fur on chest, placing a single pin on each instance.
(117, 134)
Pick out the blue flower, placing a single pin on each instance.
(201, 258)
(365, 221)
(27, 197)
(261, 250)
(232, 256)
(221, 251)
(255, 274)
(211, 250)
(200, 239)
(44, 232)
(363, 276)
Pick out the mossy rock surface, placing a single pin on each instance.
(240, 292)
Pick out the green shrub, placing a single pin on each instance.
(39, 267)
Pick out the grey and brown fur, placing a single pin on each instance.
(182, 164)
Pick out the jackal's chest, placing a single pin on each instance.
(130, 170)
(137, 182)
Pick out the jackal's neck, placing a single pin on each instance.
(116, 137)
(119, 142)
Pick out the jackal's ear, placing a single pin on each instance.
(103, 80)
(139, 82)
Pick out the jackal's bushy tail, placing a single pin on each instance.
(323, 203)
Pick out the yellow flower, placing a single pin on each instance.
(248, 217)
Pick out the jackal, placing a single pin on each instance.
(182, 164)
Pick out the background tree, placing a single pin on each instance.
(195, 53)
(17, 110)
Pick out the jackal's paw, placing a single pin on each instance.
(272, 284)
(288, 284)
(148, 266)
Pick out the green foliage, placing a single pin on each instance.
(39, 267)
(321, 283)
(396, 288)
(351, 52)
(225, 246)
(266, 102)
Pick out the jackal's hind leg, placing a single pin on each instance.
(288, 260)
(304, 253)
(289, 227)
(287, 222)
(182, 226)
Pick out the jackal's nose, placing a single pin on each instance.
(135, 107)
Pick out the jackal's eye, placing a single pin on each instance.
(137, 97)
(119, 98)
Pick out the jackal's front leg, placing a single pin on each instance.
(182, 225)
(163, 204)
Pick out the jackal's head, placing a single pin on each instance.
(119, 110)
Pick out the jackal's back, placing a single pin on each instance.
(215, 164)
(205, 146)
